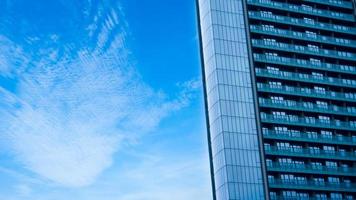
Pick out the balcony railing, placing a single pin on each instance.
(303, 49)
(298, 198)
(305, 137)
(302, 36)
(336, 3)
(307, 107)
(301, 22)
(306, 92)
(305, 78)
(310, 153)
(301, 9)
(310, 169)
(305, 121)
(304, 63)
(311, 185)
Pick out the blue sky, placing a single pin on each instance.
(101, 100)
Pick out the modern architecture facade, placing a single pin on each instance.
(280, 96)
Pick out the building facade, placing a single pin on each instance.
(280, 96)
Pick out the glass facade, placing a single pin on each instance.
(280, 92)
(232, 118)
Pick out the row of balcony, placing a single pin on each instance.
(307, 107)
(308, 137)
(310, 169)
(307, 121)
(336, 3)
(268, 16)
(300, 63)
(304, 198)
(310, 153)
(305, 78)
(311, 185)
(301, 9)
(303, 49)
(302, 36)
(306, 92)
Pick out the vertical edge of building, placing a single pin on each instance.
(205, 97)
(236, 156)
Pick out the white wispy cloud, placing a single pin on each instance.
(73, 107)
(159, 177)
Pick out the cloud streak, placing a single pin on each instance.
(75, 104)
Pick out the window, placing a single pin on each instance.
(312, 134)
(301, 179)
(289, 194)
(267, 146)
(322, 104)
(349, 197)
(271, 54)
(324, 119)
(317, 75)
(270, 178)
(329, 149)
(334, 180)
(316, 165)
(335, 196)
(297, 148)
(326, 134)
(278, 114)
(283, 145)
(280, 129)
(342, 152)
(319, 90)
(267, 27)
(310, 34)
(266, 13)
(275, 84)
(347, 182)
(307, 7)
(318, 181)
(287, 178)
(295, 133)
(345, 167)
(314, 61)
(299, 164)
(277, 98)
(273, 195)
(314, 150)
(269, 41)
(273, 70)
(330, 164)
(321, 197)
(313, 48)
(285, 161)
(308, 20)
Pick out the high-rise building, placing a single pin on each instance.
(280, 95)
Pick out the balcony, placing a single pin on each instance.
(310, 169)
(304, 63)
(309, 153)
(337, 3)
(305, 137)
(310, 122)
(302, 36)
(303, 49)
(299, 198)
(301, 9)
(307, 107)
(305, 78)
(306, 92)
(301, 22)
(311, 185)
